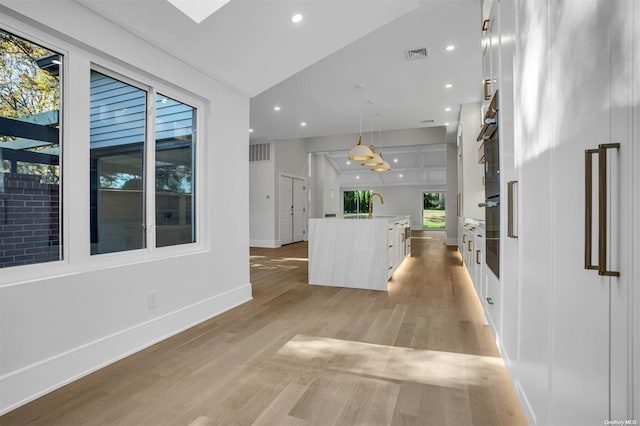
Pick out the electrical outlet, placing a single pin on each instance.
(152, 299)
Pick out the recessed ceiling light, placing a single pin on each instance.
(447, 123)
(371, 101)
(395, 160)
(303, 124)
(450, 48)
(360, 86)
(276, 108)
(400, 175)
(448, 85)
(357, 177)
(348, 163)
(250, 130)
(296, 18)
(447, 109)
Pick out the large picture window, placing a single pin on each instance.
(120, 144)
(30, 169)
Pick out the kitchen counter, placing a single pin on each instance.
(357, 251)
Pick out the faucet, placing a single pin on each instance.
(371, 202)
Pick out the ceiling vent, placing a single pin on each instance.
(417, 54)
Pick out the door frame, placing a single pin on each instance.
(306, 203)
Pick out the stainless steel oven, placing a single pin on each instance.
(489, 135)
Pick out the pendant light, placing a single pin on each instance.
(376, 160)
(384, 166)
(360, 152)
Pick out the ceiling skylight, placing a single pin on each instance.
(198, 10)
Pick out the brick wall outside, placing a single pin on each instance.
(29, 220)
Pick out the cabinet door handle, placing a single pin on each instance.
(478, 257)
(469, 245)
(464, 238)
(489, 300)
(511, 186)
(588, 208)
(602, 209)
(601, 267)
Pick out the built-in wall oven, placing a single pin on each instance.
(489, 136)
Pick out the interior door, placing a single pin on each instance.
(286, 210)
(299, 211)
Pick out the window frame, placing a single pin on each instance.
(53, 44)
(152, 89)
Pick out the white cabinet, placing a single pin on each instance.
(399, 243)
(565, 330)
(472, 251)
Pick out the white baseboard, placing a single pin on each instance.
(26, 384)
(531, 415)
(265, 243)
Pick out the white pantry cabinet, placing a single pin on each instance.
(574, 81)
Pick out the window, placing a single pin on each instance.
(174, 172)
(30, 105)
(119, 146)
(118, 123)
(356, 202)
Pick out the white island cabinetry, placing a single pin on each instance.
(357, 252)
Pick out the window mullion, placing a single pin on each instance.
(150, 170)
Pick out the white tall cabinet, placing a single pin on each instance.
(568, 84)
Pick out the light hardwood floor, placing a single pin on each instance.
(311, 355)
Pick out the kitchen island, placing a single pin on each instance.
(357, 251)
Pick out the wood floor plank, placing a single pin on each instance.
(311, 355)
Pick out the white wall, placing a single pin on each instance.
(325, 187)
(473, 189)
(291, 157)
(61, 320)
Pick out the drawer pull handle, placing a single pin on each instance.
(489, 300)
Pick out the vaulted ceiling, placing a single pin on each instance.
(310, 69)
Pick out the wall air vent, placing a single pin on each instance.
(416, 54)
(260, 152)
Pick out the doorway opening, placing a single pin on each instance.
(433, 211)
